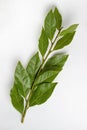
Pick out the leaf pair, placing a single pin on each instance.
(34, 84)
(52, 22)
(23, 81)
(20, 88)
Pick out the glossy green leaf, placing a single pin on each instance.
(64, 41)
(16, 99)
(43, 42)
(41, 93)
(57, 60)
(33, 67)
(22, 80)
(47, 76)
(71, 29)
(58, 18)
(50, 24)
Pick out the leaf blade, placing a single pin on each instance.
(16, 99)
(33, 66)
(22, 80)
(41, 93)
(50, 24)
(43, 42)
(64, 41)
(58, 18)
(70, 29)
(56, 60)
(47, 76)
(55, 63)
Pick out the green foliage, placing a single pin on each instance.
(34, 84)
(64, 41)
(22, 80)
(56, 60)
(33, 67)
(41, 93)
(43, 42)
(71, 29)
(58, 18)
(17, 99)
(45, 77)
(50, 24)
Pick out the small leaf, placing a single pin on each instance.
(58, 18)
(47, 76)
(33, 66)
(71, 29)
(41, 93)
(16, 99)
(50, 24)
(56, 60)
(43, 42)
(22, 80)
(64, 41)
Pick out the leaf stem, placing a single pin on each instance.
(24, 112)
(41, 66)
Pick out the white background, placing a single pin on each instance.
(20, 26)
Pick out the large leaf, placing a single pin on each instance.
(50, 24)
(71, 29)
(46, 76)
(58, 18)
(41, 93)
(22, 80)
(16, 99)
(58, 61)
(64, 41)
(33, 66)
(43, 42)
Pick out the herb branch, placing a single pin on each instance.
(40, 68)
(34, 84)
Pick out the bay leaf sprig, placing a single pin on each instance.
(33, 85)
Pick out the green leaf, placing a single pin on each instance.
(46, 76)
(71, 29)
(16, 99)
(22, 80)
(43, 42)
(58, 18)
(64, 41)
(56, 60)
(33, 66)
(41, 93)
(50, 24)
